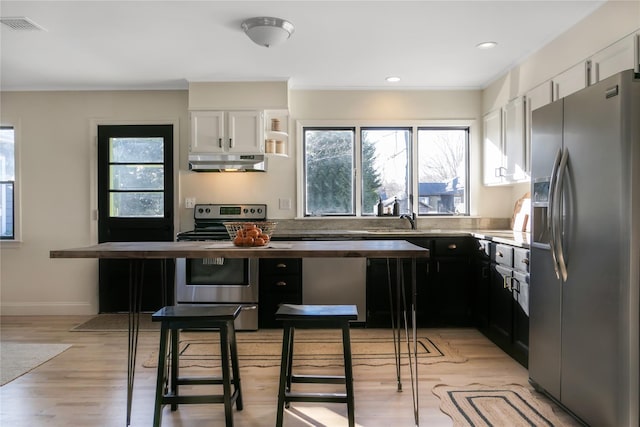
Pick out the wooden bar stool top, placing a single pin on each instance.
(317, 312)
(222, 313)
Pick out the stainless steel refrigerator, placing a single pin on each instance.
(585, 251)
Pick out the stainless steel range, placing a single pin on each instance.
(220, 280)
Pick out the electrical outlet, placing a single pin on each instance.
(190, 202)
(285, 204)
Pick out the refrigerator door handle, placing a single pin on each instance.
(551, 210)
(558, 223)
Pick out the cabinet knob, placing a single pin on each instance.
(525, 261)
(452, 246)
(281, 265)
(281, 283)
(220, 142)
(499, 254)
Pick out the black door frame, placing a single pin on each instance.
(135, 227)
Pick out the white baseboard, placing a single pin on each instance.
(45, 308)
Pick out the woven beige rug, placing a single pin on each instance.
(478, 405)
(373, 347)
(17, 359)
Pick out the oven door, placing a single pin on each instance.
(217, 280)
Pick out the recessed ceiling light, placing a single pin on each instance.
(393, 79)
(486, 45)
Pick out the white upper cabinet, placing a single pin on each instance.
(514, 140)
(504, 145)
(207, 131)
(537, 97)
(492, 148)
(570, 81)
(227, 132)
(620, 56)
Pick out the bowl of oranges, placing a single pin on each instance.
(250, 234)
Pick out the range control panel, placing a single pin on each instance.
(230, 212)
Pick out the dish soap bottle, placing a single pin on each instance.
(380, 207)
(396, 207)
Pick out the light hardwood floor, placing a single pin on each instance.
(86, 385)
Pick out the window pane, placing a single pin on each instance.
(6, 210)
(136, 150)
(136, 177)
(140, 204)
(385, 168)
(442, 171)
(7, 180)
(329, 177)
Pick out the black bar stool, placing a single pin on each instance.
(217, 318)
(315, 317)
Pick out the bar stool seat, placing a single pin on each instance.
(211, 318)
(314, 317)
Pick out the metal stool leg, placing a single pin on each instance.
(174, 366)
(290, 361)
(226, 380)
(235, 365)
(348, 373)
(162, 359)
(284, 374)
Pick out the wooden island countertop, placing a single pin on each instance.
(226, 249)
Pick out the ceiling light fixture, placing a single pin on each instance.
(486, 45)
(267, 31)
(393, 79)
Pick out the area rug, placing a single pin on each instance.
(372, 347)
(16, 359)
(115, 322)
(478, 405)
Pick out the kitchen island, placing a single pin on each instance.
(137, 252)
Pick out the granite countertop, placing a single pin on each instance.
(500, 236)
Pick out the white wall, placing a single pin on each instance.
(57, 186)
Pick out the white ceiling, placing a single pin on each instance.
(104, 45)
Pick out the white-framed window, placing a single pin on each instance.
(7, 183)
(443, 168)
(347, 168)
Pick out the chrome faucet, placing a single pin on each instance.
(411, 218)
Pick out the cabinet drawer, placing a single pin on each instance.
(452, 247)
(280, 284)
(280, 266)
(503, 255)
(521, 259)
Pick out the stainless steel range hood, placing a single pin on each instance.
(223, 162)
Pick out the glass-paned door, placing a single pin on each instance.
(135, 203)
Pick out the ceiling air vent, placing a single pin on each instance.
(21, 24)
